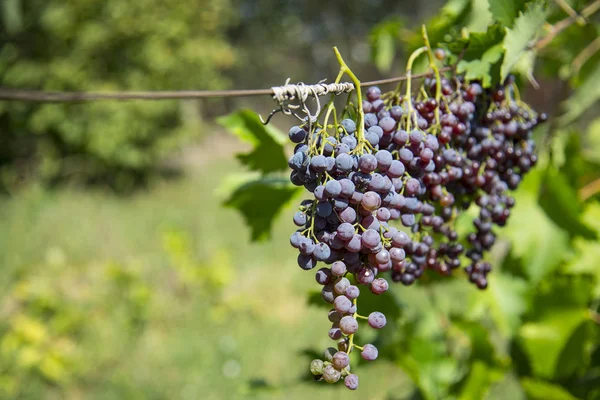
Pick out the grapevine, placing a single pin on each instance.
(389, 176)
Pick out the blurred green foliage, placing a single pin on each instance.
(105, 45)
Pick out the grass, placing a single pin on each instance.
(170, 300)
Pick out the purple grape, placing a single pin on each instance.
(319, 193)
(348, 215)
(388, 124)
(344, 162)
(355, 244)
(331, 375)
(370, 222)
(318, 163)
(407, 219)
(348, 325)
(397, 254)
(300, 218)
(334, 316)
(338, 268)
(321, 252)
(347, 187)
(370, 120)
(345, 231)
(341, 285)
(405, 155)
(367, 163)
(335, 333)
(377, 320)
(323, 276)
(373, 93)
(365, 276)
(382, 257)
(333, 188)
(371, 201)
(297, 134)
(369, 352)
(371, 238)
(352, 292)
(340, 360)
(324, 208)
(327, 293)
(296, 239)
(349, 125)
(351, 382)
(342, 304)
(383, 214)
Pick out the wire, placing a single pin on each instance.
(68, 97)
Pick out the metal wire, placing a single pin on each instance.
(277, 92)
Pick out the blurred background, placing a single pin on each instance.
(123, 276)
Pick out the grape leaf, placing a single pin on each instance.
(543, 340)
(480, 16)
(507, 388)
(506, 11)
(267, 154)
(584, 97)
(476, 44)
(452, 15)
(505, 301)
(541, 390)
(478, 382)
(383, 39)
(575, 354)
(517, 39)
(536, 240)
(591, 151)
(260, 201)
(482, 69)
(561, 203)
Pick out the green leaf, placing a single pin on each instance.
(428, 365)
(517, 39)
(507, 388)
(575, 354)
(584, 98)
(383, 40)
(506, 11)
(591, 150)
(543, 340)
(481, 69)
(476, 44)
(452, 15)
(480, 51)
(504, 301)
(480, 16)
(541, 390)
(478, 382)
(535, 239)
(560, 201)
(260, 201)
(267, 153)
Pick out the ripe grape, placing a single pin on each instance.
(377, 320)
(369, 352)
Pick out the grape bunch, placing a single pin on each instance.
(387, 187)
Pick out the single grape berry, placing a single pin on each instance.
(316, 367)
(331, 375)
(369, 352)
(348, 325)
(351, 382)
(377, 320)
(340, 360)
